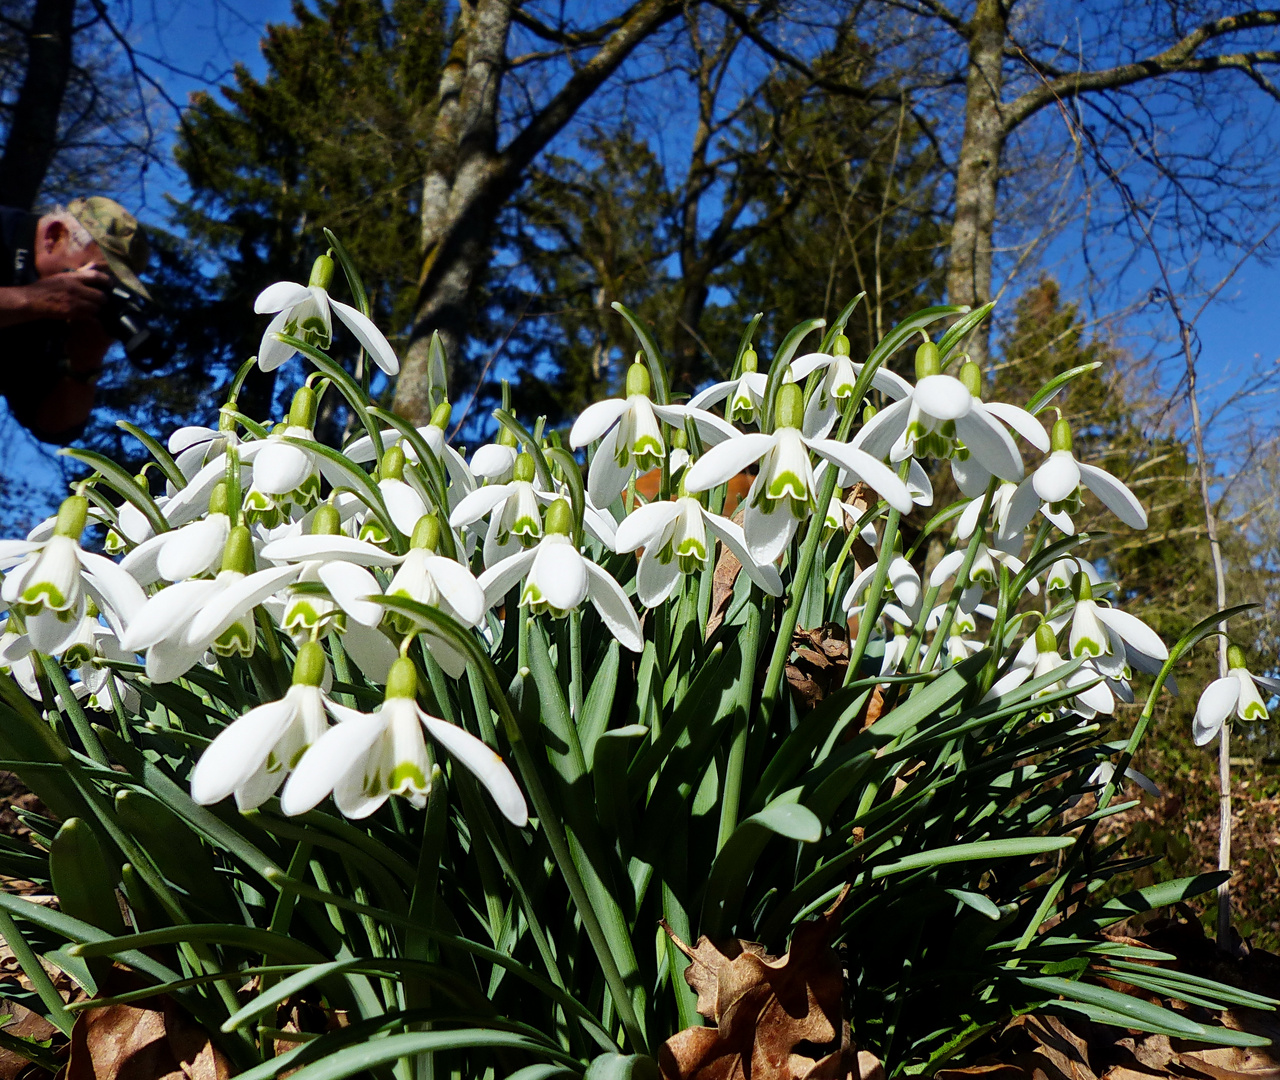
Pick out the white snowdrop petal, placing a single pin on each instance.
(1114, 495)
(655, 579)
(946, 568)
(879, 435)
(862, 465)
(614, 608)
(233, 601)
(493, 461)
(644, 525)
(277, 297)
(723, 462)
(487, 766)
(714, 393)
(500, 578)
(369, 336)
(325, 548)
(476, 504)
(767, 533)
(731, 535)
(279, 467)
(273, 352)
(943, 397)
(972, 478)
(560, 574)
(165, 612)
(370, 648)
(193, 549)
(1217, 702)
(595, 420)
(329, 758)
(1022, 422)
(1134, 631)
(458, 589)
(990, 443)
(608, 476)
(1057, 478)
(239, 751)
(350, 586)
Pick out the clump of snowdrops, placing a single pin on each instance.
(461, 744)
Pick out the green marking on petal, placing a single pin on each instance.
(236, 640)
(408, 776)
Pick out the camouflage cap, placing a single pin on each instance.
(118, 233)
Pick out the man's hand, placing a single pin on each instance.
(74, 296)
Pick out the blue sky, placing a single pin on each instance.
(195, 43)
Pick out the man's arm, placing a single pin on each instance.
(73, 296)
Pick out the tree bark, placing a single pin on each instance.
(33, 132)
(470, 179)
(978, 169)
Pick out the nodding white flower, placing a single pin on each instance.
(371, 756)
(251, 757)
(983, 574)
(1236, 693)
(903, 580)
(745, 394)
(178, 624)
(18, 658)
(783, 493)
(286, 475)
(1038, 657)
(675, 542)
(51, 579)
(458, 474)
(895, 651)
(495, 461)
(558, 578)
(333, 582)
(1101, 776)
(963, 622)
(1054, 489)
(306, 312)
(187, 551)
(431, 579)
(515, 516)
(405, 506)
(1062, 574)
(1104, 633)
(838, 383)
(999, 533)
(943, 417)
(630, 434)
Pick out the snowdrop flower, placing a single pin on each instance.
(189, 551)
(51, 579)
(1062, 574)
(333, 582)
(306, 312)
(495, 461)
(437, 582)
(903, 580)
(371, 756)
(1038, 657)
(1104, 633)
(404, 505)
(783, 493)
(515, 516)
(285, 475)
(631, 436)
(178, 624)
(675, 542)
(1236, 693)
(895, 651)
(745, 394)
(18, 658)
(983, 574)
(943, 417)
(458, 474)
(251, 757)
(1101, 776)
(838, 382)
(558, 578)
(1054, 489)
(959, 647)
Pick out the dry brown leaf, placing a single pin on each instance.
(128, 1042)
(997, 1071)
(723, 579)
(768, 1011)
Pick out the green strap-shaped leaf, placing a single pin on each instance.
(598, 706)
(354, 282)
(163, 458)
(249, 938)
(960, 329)
(652, 354)
(841, 321)
(1013, 847)
(1049, 391)
(778, 366)
(622, 1067)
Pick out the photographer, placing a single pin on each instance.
(56, 273)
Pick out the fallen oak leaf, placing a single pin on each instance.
(767, 1010)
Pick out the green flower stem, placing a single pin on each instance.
(575, 666)
(735, 766)
(962, 579)
(559, 843)
(71, 707)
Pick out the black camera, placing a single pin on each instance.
(127, 316)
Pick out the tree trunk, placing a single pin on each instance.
(978, 170)
(33, 132)
(458, 203)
